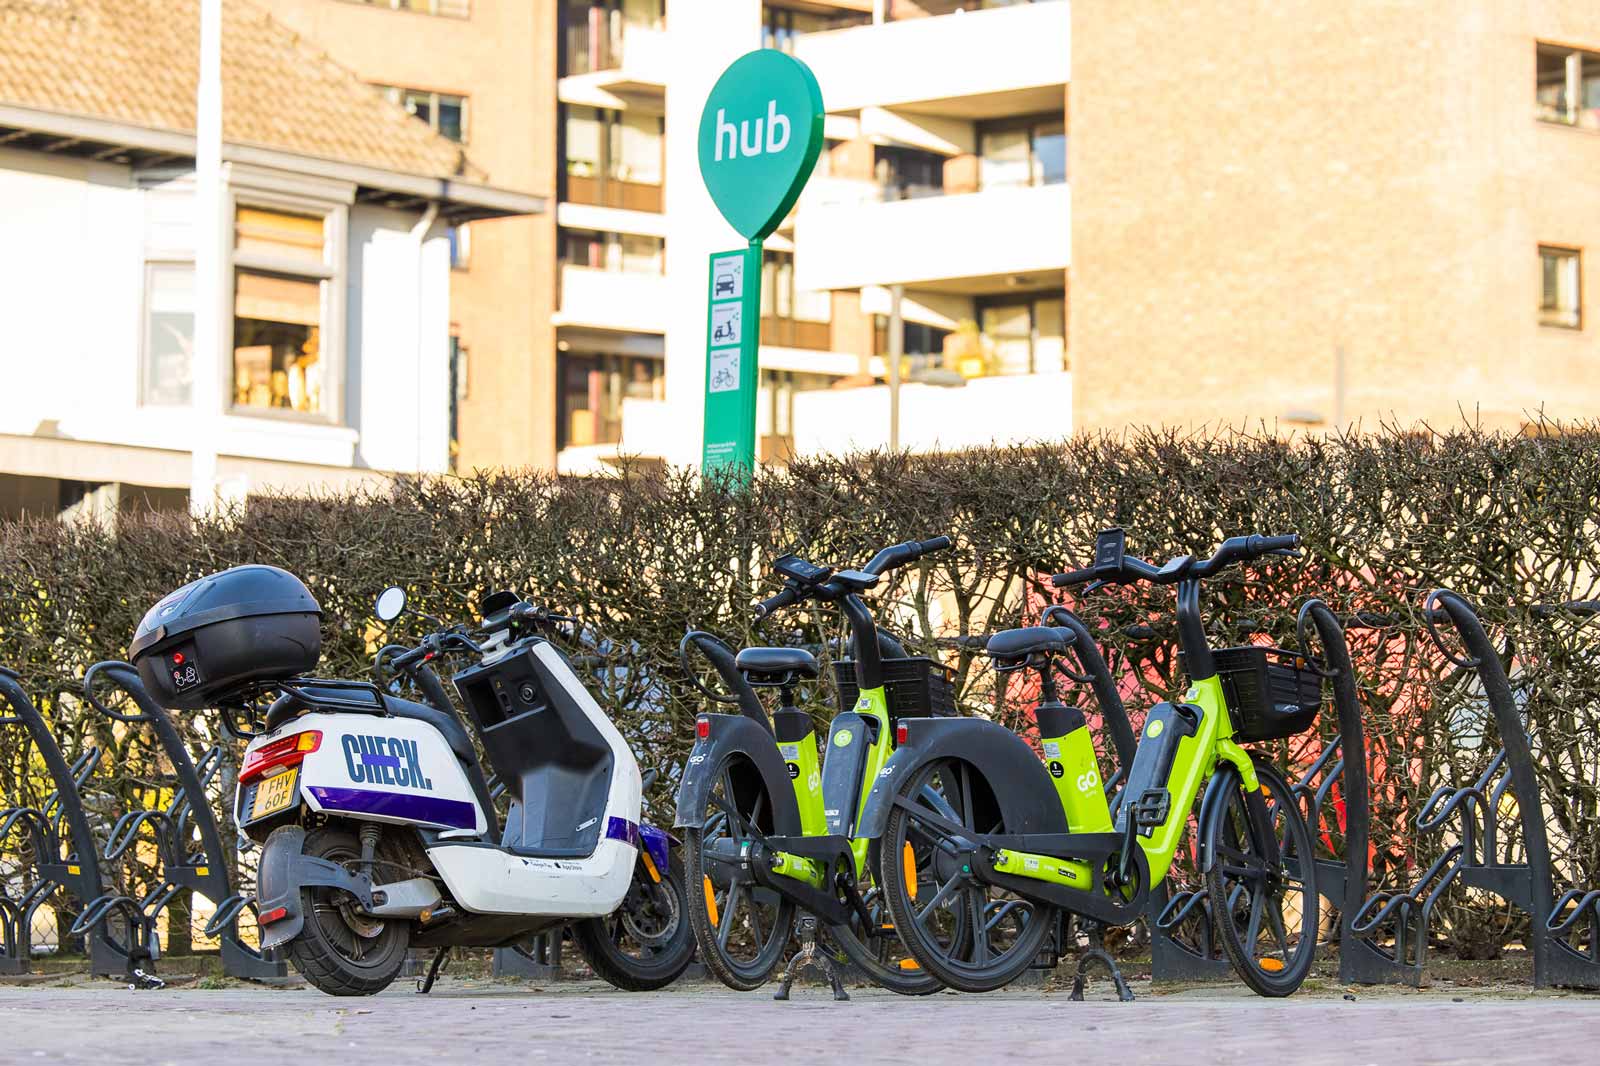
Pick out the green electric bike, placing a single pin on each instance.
(770, 830)
(1030, 842)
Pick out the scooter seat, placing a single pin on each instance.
(1015, 645)
(775, 666)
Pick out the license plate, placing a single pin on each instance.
(275, 794)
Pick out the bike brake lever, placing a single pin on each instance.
(1095, 586)
(1288, 553)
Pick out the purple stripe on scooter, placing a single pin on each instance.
(623, 830)
(433, 809)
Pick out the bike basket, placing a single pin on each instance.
(1273, 693)
(917, 687)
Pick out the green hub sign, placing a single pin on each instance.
(760, 135)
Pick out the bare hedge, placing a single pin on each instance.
(1508, 521)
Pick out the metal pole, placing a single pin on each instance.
(896, 349)
(206, 390)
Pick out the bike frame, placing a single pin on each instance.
(1194, 758)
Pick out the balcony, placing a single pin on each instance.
(612, 192)
(612, 300)
(975, 64)
(970, 243)
(986, 411)
(614, 69)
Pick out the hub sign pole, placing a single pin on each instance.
(760, 135)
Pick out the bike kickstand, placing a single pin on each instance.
(1096, 952)
(809, 956)
(425, 985)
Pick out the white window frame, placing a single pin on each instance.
(334, 275)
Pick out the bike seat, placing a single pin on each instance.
(1013, 645)
(775, 666)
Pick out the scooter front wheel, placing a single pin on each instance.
(741, 927)
(646, 942)
(340, 950)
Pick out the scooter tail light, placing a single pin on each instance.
(285, 751)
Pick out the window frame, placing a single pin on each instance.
(1575, 60)
(1575, 254)
(1030, 125)
(396, 95)
(333, 278)
(431, 8)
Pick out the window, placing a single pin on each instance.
(592, 388)
(613, 158)
(1567, 87)
(445, 113)
(780, 25)
(168, 334)
(460, 237)
(1026, 336)
(1561, 296)
(908, 173)
(280, 283)
(453, 8)
(630, 253)
(594, 32)
(1022, 152)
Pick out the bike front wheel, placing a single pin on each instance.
(1264, 908)
(972, 936)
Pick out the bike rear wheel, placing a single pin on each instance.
(972, 936)
(740, 927)
(1265, 912)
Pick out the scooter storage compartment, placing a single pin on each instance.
(543, 747)
(213, 639)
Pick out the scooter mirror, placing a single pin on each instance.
(391, 601)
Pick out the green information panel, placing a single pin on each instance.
(760, 134)
(733, 345)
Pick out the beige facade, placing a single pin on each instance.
(1263, 193)
(501, 57)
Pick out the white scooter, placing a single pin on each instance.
(378, 825)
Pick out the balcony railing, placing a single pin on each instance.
(795, 333)
(599, 191)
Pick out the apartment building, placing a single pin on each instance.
(943, 180)
(480, 73)
(334, 309)
(1317, 213)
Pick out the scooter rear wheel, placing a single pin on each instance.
(972, 936)
(340, 950)
(741, 928)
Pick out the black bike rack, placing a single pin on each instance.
(182, 867)
(1477, 858)
(1343, 763)
(64, 856)
(1569, 964)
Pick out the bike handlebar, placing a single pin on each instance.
(1128, 569)
(890, 558)
(785, 598)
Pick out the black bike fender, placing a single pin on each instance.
(734, 733)
(284, 870)
(1212, 805)
(1012, 768)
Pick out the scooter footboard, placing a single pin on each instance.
(1018, 782)
(731, 734)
